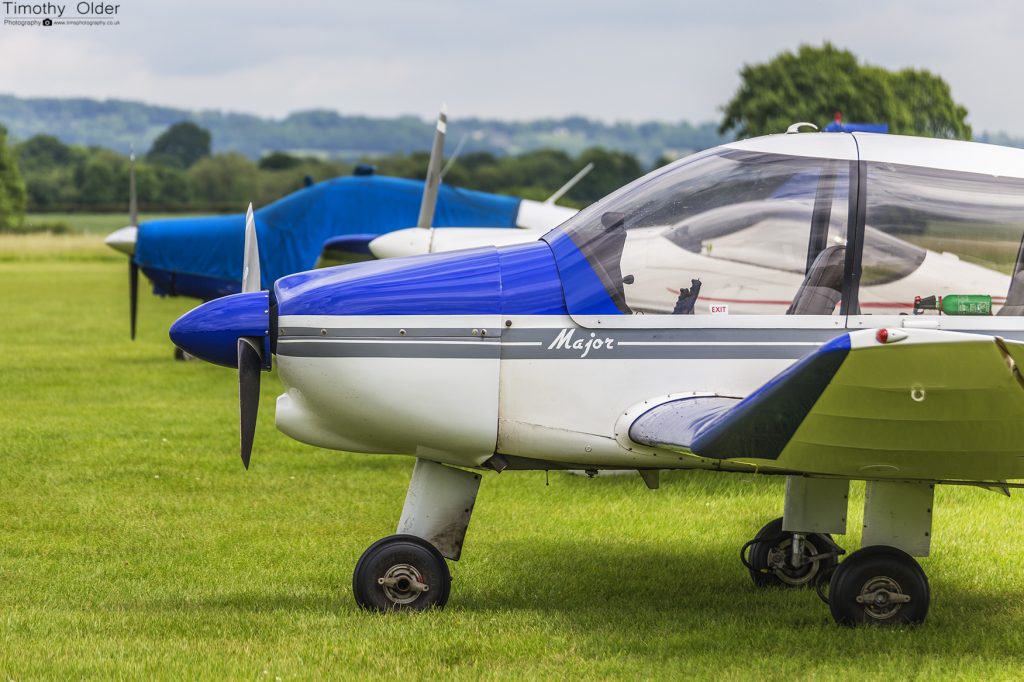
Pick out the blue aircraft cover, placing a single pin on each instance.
(291, 231)
(840, 127)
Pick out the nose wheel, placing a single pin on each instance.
(775, 558)
(881, 585)
(401, 573)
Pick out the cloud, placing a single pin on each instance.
(525, 59)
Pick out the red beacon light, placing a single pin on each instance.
(889, 335)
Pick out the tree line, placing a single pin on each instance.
(118, 124)
(179, 173)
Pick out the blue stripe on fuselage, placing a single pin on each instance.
(520, 280)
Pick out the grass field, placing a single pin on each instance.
(134, 545)
(91, 223)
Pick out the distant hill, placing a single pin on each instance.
(118, 124)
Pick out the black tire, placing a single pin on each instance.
(772, 539)
(407, 560)
(875, 568)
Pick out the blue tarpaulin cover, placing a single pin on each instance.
(292, 230)
(840, 127)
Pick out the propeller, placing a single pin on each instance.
(250, 364)
(133, 267)
(433, 181)
(251, 257)
(250, 350)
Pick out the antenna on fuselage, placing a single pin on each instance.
(454, 157)
(560, 192)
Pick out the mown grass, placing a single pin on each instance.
(89, 223)
(134, 545)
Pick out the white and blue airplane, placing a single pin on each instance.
(825, 307)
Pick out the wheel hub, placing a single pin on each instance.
(403, 583)
(780, 561)
(882, 597)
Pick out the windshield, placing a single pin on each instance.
(735, 231)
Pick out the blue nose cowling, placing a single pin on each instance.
(211, 331)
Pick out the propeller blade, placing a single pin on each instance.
(251, 257)
(133, 204)
(433, 181)
(133, 293)
(133, 268)
(250, 363)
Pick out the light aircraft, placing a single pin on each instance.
(884, 346)
(200, 257)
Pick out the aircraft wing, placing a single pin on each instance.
(349, 247)
(917, 402)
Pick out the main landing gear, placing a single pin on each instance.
(775, 558)
(408, 571)
(880, 583)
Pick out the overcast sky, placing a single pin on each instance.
(631, 60)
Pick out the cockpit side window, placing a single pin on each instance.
(932, 235)
(725, 232)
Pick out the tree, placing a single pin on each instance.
(279, 161)
(815, 82)
(180, 146)
(102, 180)
(12, 187)
(927, 96)
(612, 170)
(48, 169)
(162, 188)
(43, 152)
(225, 181)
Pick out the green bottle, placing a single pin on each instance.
(966, 304)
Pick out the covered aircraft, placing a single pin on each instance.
(822, 307)
(201, 257)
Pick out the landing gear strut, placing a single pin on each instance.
(780, 559)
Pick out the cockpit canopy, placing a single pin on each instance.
(798, 225)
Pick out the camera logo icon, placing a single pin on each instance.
(47, 22)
